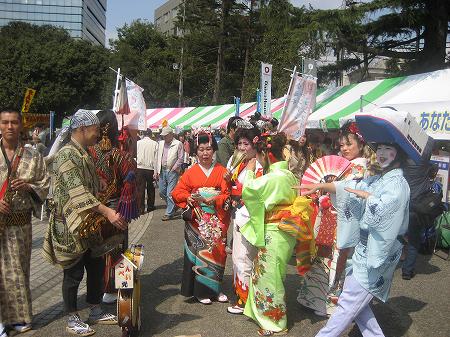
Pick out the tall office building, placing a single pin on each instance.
(166, 16)
(85, 19)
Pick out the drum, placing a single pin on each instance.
(128, 309)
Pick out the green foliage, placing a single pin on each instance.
(66, 73)
(146, 57)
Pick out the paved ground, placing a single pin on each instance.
(416, 308)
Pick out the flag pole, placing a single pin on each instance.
(116, 90)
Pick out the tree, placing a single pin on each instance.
(411, 32)
(147, 57)
(67, 73)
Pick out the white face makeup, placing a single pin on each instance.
(386, 155)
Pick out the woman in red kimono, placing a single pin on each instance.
(204, 194)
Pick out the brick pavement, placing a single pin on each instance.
(46, 279)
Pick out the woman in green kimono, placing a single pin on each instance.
(266, 198)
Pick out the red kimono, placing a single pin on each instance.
(205, 237)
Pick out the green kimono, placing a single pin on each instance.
(75, 185)
(263, 196)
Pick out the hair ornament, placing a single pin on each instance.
(203, 131)
(243, 124)
(353, 129)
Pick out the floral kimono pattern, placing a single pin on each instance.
(266, 297)
(204, 250)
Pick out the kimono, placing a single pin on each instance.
(75, 185)
(243, 251)
(205, 233)
(375, 227)
(118, 170)
(16, 240)
(320, 288)
(262, 196)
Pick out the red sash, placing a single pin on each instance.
(12, 171)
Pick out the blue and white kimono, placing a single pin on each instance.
(374, 226)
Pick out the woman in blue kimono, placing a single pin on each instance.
(373, 217)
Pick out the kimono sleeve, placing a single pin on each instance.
(253, 230)
(127, 205)
(384, 215)
(40, 182)
(349, 213)
(182, 190)
(224, 190)
(79, 198)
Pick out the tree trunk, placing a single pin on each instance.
(219, 63)
(433, 54)
(247, 48)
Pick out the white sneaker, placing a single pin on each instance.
(22, 327)
(3, 333)
(77, 327)
(109, 298)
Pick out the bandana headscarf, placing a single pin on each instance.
(79, 119)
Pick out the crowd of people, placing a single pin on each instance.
(239, 193)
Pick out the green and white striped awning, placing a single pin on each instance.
(426, 96)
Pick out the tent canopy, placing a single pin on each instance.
(426, 96)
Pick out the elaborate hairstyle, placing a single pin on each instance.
(204, 136)
(232, 123)
(350, 128)
(108, 117)
(272, 144)
(251, 134)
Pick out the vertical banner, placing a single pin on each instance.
(266, 89)
(131, 100)
(237, 102)
(299, 105)
(28, 98)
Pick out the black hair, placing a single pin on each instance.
(232, 123)
(249, 134)
(109, 117)
(11, 111)
(147, 133)
(204, 138)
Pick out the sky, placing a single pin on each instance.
(120, 12)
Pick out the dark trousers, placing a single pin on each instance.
(95, 267)
(418, 223)
(145, 183)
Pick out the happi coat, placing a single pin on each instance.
(75, 185)
(16, 241)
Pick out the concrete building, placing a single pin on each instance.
(166, 16)
(377, 70)
(85, 19)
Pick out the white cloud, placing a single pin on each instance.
(318, 4)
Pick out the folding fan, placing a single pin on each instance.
(327, 169)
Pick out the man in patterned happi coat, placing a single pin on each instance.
(75, 187)
(24, 186)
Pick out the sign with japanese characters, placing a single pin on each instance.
(124, 273)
